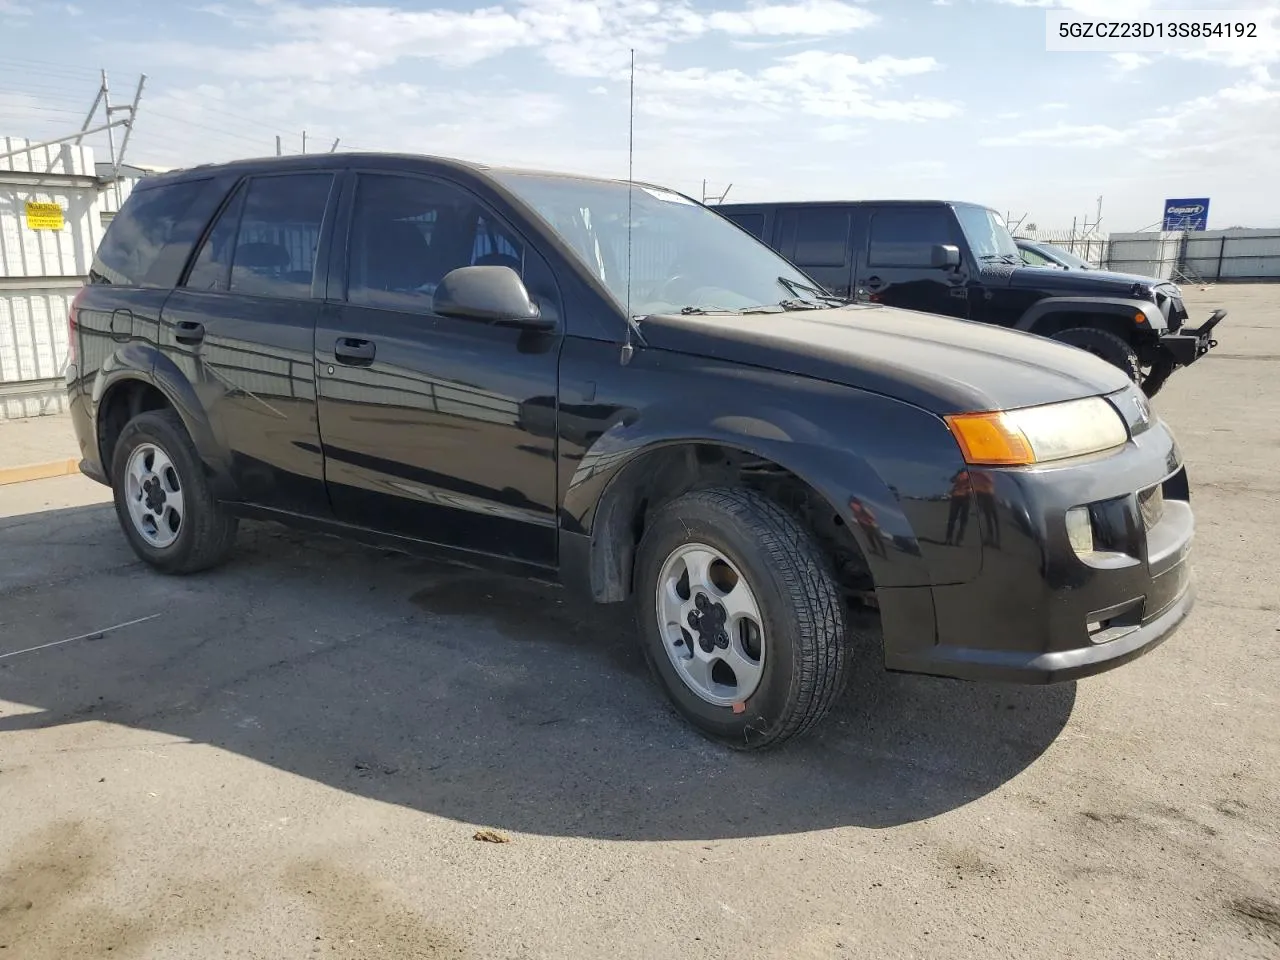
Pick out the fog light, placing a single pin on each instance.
(1080, 530)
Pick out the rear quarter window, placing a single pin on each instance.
(140, 231)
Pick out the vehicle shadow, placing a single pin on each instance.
(488, 700)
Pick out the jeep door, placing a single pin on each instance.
(820, 240)
(895, 268)
(241, 326)
(425, 419)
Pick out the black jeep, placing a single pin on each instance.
(610, 384)
(959, 260)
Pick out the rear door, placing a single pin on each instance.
(819, 240)
(896, 267)
(242, 329)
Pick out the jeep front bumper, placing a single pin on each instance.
(1190, 344)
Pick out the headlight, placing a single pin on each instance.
(1030, 435)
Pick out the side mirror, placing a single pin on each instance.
(489, 294)
(944, 256)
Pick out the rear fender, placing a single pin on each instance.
(140, 362)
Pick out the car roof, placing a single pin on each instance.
(389, 160)
(855, 202)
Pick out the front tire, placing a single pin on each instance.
(163, 499)
(1106, 345)
(740, 618)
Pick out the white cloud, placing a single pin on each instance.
(14, 9)
(587, 38)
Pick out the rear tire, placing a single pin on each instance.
(787, 653)
(1106, 345)
(163, 499)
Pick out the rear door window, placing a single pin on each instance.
(905, 238)
(265, 241)
(822, 237)
(140, 231)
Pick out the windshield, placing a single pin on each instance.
(988, 237)
(683, 256)
(1067, 257)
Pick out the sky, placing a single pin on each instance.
(769, 99)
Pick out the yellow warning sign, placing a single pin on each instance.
(44, 216)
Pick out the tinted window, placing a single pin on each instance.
(822, 237)
(905, 238)
(140, 230)
(275, 253)
(1033, 258)
(212, 269)
(751, 222)
(407, 233)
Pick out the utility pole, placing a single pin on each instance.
(304, 141)
(335, 144)
(108, 125)
(278, 152)
(132, 110)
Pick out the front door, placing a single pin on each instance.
(241, 328)
(421, 415)
(896, 267)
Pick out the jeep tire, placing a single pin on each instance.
(1106, 345)
(163, 498)
(740, 618)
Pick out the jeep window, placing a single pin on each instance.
(407, 233)
(140, 230)
(822, 237)
(989, 238)
(212, 269)
(682, 253)
(753, 223)
(905, 238)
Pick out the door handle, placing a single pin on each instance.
(874, 283)
(188, 331)
(355, 352)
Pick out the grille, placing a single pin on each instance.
(1151, 505)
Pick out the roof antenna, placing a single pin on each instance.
(627, 348)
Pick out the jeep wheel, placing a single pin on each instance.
(1106, 345)
(740, 618)
(163, 499)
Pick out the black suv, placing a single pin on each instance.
(610, 383)
(959, 260)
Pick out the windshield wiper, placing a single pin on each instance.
(798, 289)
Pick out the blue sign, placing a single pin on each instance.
(1192, 214)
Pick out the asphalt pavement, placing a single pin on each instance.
(293, 757)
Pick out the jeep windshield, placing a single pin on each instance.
(684, 257)
(988, 237)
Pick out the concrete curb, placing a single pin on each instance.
(39, 471)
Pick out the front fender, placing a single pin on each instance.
(1122, 308)
(884, 466)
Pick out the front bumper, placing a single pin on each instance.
(1039, 612)
(1188, 345)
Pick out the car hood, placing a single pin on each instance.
(938, 363)
(1100, 282)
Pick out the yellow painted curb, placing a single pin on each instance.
(38, 471)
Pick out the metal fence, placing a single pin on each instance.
(1204, 256)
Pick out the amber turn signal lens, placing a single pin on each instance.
(990, 439)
